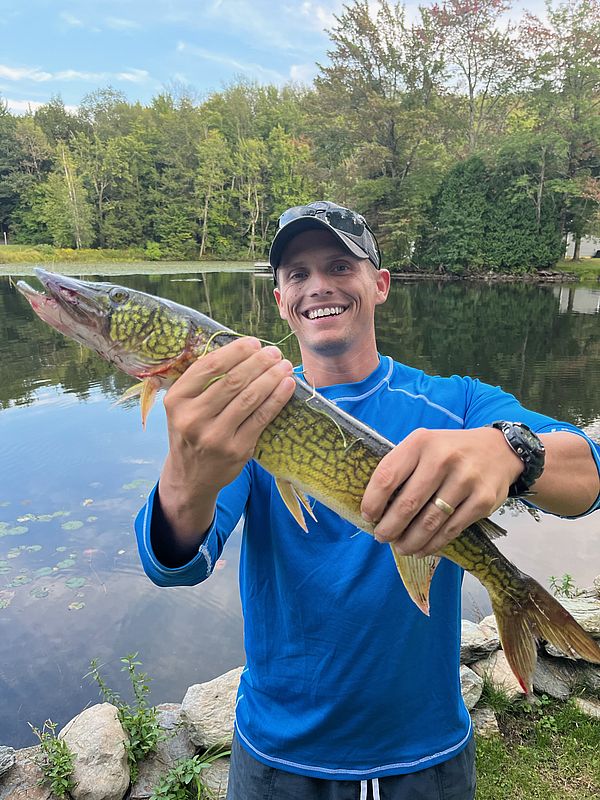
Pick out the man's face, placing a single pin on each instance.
(328, 296)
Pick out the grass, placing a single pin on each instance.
(549, 751)
(587, 269)
(46, 254)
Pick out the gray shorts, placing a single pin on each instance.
(450, 780)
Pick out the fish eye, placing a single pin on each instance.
(118, 295)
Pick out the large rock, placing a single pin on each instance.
(588, 706)
(485, 722)
(175, 746)
(97, 740)
(496, 669)
(24, 781)
(476, 642)
(208, 710)
(554, 677)
(7, 759)
(471, 686)
(215, 778)
(586, 610)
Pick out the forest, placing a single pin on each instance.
(470, 143)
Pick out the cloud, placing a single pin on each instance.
(318, 16)
(303, 73)
(23, 73)
(120, 24)
(24, 106)
(133, 76)
(69, 19)
(40, 76)
(255, 70)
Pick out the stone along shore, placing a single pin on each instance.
(204, 719)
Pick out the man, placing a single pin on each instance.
(349, 690)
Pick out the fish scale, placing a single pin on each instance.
(311, 448)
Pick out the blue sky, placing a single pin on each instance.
(50, 47)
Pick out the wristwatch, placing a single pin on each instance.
(524, 442)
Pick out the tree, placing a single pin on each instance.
(67, 211)
(215, 168)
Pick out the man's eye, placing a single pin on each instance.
(341, 267)
(295, 276)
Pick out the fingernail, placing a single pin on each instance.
(365, 516)
(275, 352)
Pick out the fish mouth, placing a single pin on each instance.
(66, 301)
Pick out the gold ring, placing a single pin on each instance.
(444, 506)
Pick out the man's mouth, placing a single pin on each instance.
(325, 311)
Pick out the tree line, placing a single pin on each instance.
(469, 142)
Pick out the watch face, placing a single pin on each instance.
(530, 439)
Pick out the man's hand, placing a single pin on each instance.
(216, 412)
(470, 470)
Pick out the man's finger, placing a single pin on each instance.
(392, 471)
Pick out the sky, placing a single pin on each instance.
(141, 47)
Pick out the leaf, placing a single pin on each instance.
(18, 530)
(76, 606)
(66, 563)
(72, 525)
(6, 598)
(34, 548)
(61, 549)
(87, 502)
(42, 572)
(75, 583)
(39, 592)
(19, 580)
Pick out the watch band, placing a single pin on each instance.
(527, 445)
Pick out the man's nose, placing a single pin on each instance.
(319, 284)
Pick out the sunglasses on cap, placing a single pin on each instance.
(350, 228)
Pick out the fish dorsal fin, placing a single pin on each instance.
(293, 498)
(416, 574)
(491, 529)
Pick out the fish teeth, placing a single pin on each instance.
(325, 312)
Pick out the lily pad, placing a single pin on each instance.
(19, 580)
(4, 503)
(34, 548)
(4, 567)
(91, 519)
(66, 563)
(18, 530)
(75, 583)
(39, 592)
(136, 484)
(6, 598)
(15, 552)
(87, 502)
(61, 549)
(43, 571)
(76, 606)
(72, 525)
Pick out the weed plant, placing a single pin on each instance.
(138, 719)
(55, 759)
(184, 781)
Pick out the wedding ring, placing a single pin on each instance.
(444, 506)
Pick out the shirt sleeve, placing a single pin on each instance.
(487, 404)
(231, 504)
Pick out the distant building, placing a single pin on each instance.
(590, 245)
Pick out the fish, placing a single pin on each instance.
(312, 449)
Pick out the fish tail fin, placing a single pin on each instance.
(416, 574)
(533, 615)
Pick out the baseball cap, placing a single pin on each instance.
(349, 228)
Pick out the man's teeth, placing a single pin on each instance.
(325, 312)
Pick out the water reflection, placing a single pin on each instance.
(75, 470)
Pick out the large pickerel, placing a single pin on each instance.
(311, 448)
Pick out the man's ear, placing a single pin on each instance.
(277, 295)
(383, 285)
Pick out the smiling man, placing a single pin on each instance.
(349, 691)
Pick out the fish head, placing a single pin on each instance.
(141, 334)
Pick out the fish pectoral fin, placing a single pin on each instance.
(150, 387)
(293, 498)
(416, 574)
(133, 391)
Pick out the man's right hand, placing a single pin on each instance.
(216, 412)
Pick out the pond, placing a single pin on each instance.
(75, 469)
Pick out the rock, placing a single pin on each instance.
(489, 626)
(586, 610)
(176, 746)
(485, 722)
(208, 710)
(588, 706)
(215, 778)
(476, 642)
(7, 759)
(495, 668)
(471, 686)
(554, 677)
(24, 780)
(596, 585)
(97, 740)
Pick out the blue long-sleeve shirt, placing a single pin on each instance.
(345, 677)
